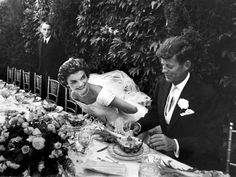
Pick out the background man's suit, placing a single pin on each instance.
(197, 134)
(51, 56)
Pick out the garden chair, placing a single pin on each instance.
(17, 77)
(26, 80)
(53, 90)
(38, 84)
(10, 75)
(229, 163)
(70, 105)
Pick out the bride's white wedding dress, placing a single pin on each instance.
(116, 83)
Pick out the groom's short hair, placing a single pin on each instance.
(176, 46)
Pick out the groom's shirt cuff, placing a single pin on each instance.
(139, 127)
(176, 152)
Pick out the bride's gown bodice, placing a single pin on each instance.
(100, 108)
(115, 83)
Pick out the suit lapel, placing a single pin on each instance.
(40, 46)
(187, 93)
(163, 97)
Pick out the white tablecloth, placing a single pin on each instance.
(132, 167)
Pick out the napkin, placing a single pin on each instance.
(2, 99)
(105, 167)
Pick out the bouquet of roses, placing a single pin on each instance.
(36, 146)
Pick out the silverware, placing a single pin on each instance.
(115, 161)
(143, 138)
(99, 158)
(102, 149)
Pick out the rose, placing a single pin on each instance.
(3, 167)
(2, 158)
(20, 121)
(2, 148)
(25, 149)
(17, 139)
(52, 128)
(41, 166)
(30, 129)
(183, 104)
(5, 133)
(2, 139)
(12, 165)
(57, 145)
(38, 143)
(25, 124)
(37, 132)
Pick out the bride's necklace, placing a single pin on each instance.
(86, 93)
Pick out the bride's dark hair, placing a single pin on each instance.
(71, 66)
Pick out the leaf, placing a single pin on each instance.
(84, 39)
(154, 46)
(134, 71)
(158, 2)
(94, 40)
(130, 25)
(226, 81)
(136, 55)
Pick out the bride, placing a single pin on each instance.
(111, 97)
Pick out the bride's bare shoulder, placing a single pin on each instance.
(96, 88)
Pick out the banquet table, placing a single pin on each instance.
(132, 166)
(93, 155)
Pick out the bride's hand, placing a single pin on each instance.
(119, 125)
(132, 125)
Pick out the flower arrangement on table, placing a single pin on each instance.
(36, 146)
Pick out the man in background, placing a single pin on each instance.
(50, 55)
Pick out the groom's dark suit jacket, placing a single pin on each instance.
(198, 134)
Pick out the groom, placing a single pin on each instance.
(184, 108)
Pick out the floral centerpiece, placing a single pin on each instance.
(36, 146)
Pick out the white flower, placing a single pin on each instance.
(183, 104)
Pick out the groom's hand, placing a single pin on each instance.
(162, 142)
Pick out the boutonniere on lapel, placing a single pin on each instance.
(184, 106)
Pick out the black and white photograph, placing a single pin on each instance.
(109, 88)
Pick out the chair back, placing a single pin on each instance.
(10, 75)
(17, 77)
(26, 80)
(38, 84)
(53, 90)
(70, 105)
(232, 133)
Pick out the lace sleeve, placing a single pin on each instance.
(105, 97)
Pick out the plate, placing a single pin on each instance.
(119, 152)
(58, 109)
(115, 151)
(37, 98)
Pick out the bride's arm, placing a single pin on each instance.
(107, 98)
(124, 106)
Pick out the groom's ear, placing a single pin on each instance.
(187, 64)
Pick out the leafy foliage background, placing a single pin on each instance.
(124, 34)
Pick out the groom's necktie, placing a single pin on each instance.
(169, 103)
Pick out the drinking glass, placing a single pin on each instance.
(150, 166)
(84, 139)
